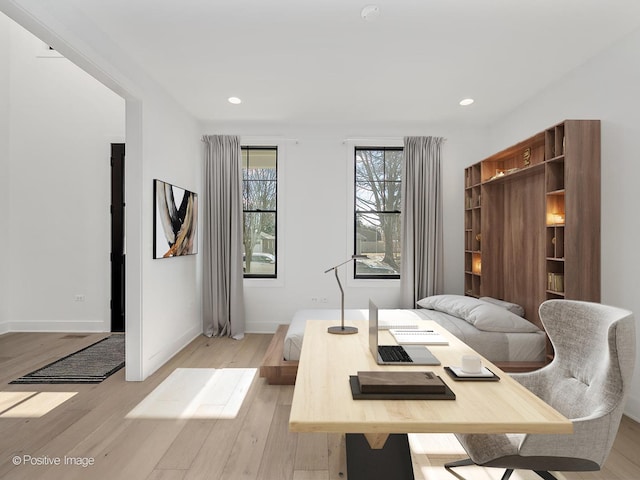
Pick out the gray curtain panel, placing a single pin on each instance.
(223, 298)
(421, 265)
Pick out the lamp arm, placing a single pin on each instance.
(341, 298)
(353, 257)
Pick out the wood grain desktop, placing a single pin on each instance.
(322, 400)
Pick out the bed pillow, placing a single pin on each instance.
(482, 315)
(512, 307)
(492, 318)
(457, 305)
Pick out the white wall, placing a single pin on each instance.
(604, 88)
(4, 163)
(58, 241)
(315, 219)
(162, 141)
(171, 289)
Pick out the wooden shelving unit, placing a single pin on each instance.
(532, 219)
(472, 232)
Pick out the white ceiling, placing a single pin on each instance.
(302, 61)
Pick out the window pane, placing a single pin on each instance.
(259, 195)
(259, 256)
(365, 197)
(378, 202)
(378, 237)
(259, 163)
(259, 198)
(369, 165)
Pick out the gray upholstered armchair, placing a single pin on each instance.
(587, 381)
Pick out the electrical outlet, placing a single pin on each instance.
(79, 298)
(314, 299)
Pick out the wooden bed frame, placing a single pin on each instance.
(279, 371)
(274, 367)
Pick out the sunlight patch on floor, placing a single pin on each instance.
(197, 393)
(31, 404)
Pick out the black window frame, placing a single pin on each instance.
(357, 149)
(248, 148)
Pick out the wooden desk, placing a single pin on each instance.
(322, 398)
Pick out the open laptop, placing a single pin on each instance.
(396, 354)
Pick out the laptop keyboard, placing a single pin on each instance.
(393, 353)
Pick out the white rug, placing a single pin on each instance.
(197, 393)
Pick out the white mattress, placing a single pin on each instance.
(495, 346)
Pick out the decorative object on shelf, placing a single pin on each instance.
(501, 173)
(526, 157)
(477, 265)
(555, 218)
(479, 238)
(341, 329)
(174, 221)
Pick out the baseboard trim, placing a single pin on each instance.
(158, 359)
(262, 327)
(92, 326)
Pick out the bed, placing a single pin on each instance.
(494, 328)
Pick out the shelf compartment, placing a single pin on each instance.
(555, 175)
(476, 263)
(472, 176)
(524, 155)
(555, 208)
(554, 142)
(555, 242)
(555, 276)
(472, 284)
(468, 242)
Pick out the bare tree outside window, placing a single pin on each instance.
(259, 195)
(378, 190)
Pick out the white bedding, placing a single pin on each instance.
(495, 346)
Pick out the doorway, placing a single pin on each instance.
(117, 238)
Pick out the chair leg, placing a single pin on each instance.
(459, 463)
(545, 475)
(507, 474)
(467, 461)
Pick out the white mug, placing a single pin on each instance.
(471, 364)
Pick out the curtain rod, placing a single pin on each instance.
(387, 139)
(267, 138)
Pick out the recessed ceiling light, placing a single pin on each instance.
(466, 102)
(234, 100)
(370, 12)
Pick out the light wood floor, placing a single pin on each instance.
(254, 445)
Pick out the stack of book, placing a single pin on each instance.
(555, 282)
(400, 382)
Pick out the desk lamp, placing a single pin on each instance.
(341, 329)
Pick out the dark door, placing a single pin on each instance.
(117, 237)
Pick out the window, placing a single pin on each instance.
(259, 196)
(378, 184)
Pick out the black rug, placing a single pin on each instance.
(92, 364)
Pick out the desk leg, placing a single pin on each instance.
(391, 462)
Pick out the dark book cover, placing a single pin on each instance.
(400, 382)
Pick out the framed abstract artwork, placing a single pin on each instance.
(175, 221)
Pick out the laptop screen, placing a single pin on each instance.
(373, 329)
